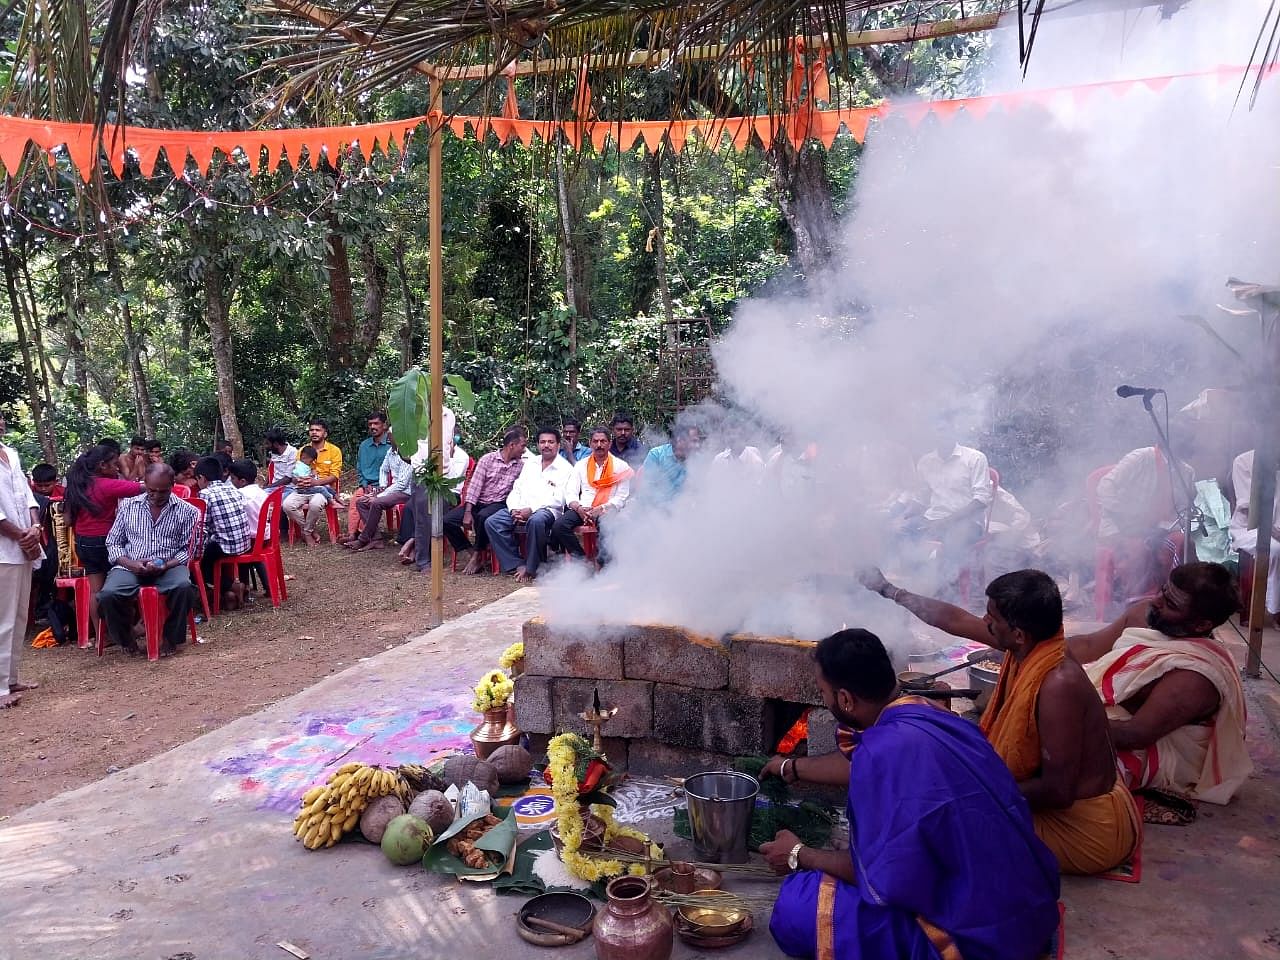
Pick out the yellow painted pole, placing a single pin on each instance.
(434, 217)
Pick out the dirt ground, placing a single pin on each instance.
(92, 715)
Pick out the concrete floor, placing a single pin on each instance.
(189, 855)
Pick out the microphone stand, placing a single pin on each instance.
(1185, 514)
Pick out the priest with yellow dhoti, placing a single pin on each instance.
(1044, 720)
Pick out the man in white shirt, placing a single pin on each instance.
(600, 484)
(395, 476)
(20, 553)
(1246, 540)
(951, 506)
(417, 517)
(283, 455)
(535, 501)
(1137, 513)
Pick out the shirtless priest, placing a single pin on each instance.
(1045, 719)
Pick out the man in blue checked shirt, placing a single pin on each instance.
(149, 545)
(226, 527)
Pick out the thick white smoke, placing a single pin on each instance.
(1025, 260)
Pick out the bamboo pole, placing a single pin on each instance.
(434, 218)
(1266, 456)
(654, 58)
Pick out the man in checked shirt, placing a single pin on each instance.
(149, 545)
(485, 494)
(226, 527)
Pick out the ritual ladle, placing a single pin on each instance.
(914, 681)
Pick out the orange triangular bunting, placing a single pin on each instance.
(913, 113)
(652, 131)
(946, 109)
(12, 149)
(599, 133)
(1156, 84)
(1120, 87)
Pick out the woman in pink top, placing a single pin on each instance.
(94, 488)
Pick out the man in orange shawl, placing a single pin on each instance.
(1044, 719)
(600, 484)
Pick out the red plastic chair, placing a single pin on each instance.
(197, 547)
(1104, 558)
(153, 608)
(265, 550)
(81, 591)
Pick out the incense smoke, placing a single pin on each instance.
(999, 276)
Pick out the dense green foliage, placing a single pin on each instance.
(310, 286)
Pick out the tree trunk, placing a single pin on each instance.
(375, 302)
(659, 239)
(410, 337)
(71, 333)
(342, 313)
(34, 400)
(217, 302)
(804, 196)
(184, 344)
(37, 334)
(570, 270)
(133, 346)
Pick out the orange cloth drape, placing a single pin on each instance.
(1009, 721)
(604, 478)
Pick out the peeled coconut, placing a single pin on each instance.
(406, 839)
(435, 808)
(460, 769)
(512, 763)
(376, 816)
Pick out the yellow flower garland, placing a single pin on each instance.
(561, 763)
(512, 654)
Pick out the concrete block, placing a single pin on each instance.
(593, 655)
(678, 714)
(738, 725)
(534, 712)
(649, 758)
(673, 655)
(822, 732)
(779, 668)
(633, 698)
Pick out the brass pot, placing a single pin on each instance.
(632, 926)
(497, 729)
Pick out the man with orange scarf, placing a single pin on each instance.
(600, 484)
(1044, 719)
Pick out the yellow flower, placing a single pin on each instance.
(493, 691)
(511, 655)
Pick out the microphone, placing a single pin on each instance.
(1146, 393)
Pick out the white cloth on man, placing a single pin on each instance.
(954, 481)
(16, 504)
(456, 467)
(254, 497)
(1246, 540)
(396, 473)
(538, 486)
(1129, 495)
(282, 464)
(1010, 525)
(578, 488)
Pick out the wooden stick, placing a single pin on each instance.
(576, 932)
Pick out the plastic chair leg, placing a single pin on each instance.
(331, 517)
(82, 592)
(154, 610)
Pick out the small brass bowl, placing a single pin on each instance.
(713, 921)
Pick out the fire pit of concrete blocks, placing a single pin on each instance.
(686, 702)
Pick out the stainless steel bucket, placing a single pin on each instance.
(720, 808)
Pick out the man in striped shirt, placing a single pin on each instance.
(149, 545)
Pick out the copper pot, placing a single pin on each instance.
(632, 926)
(497, 729)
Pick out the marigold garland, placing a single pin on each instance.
(562, 760)
(494, 690)
(512, 655)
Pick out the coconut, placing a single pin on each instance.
(406, 839)
(460, 769)
(376, 816)
(435, 808)
(512, 763)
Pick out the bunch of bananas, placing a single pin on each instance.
(331, 810)
(420, 778)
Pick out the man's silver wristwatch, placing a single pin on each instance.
(793, 858)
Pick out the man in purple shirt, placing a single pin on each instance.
(485, 494)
